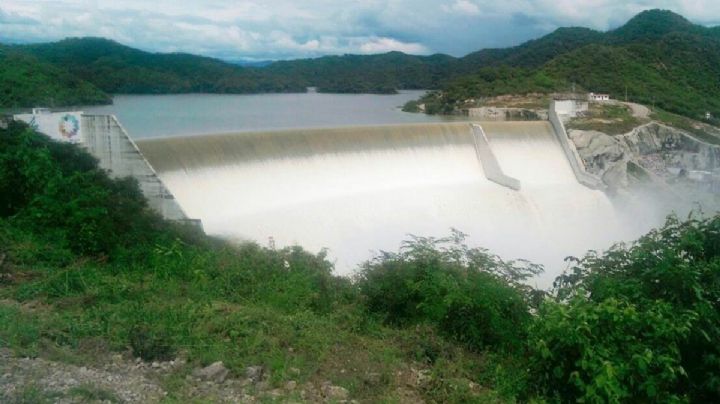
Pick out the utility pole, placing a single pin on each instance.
(626, 97)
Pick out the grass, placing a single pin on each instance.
(63, 311)
(616, 119)
(436, 321)
(698, 129)
(612, 119)
(32, 394)
(91, 394)
(89, 271)
(529, 101)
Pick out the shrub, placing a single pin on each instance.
(57, 190)
(468, 294)
(642, 322)
(610, 351)
(150, 344)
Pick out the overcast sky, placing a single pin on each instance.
(282, 29)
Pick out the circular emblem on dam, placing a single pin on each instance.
(69, 126)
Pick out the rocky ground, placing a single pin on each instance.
(126, 380)
(120, 378)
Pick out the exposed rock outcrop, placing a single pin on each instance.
(653, 151)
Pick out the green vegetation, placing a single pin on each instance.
(115, 272)
(613, 119)
(382, 74)
(702, 131)
(115, 68)
(470, 295)
(658, 58)
(84, 259)
(657, 303)
(490, 82)
(28, 82)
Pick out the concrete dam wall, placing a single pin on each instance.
(107, 140)
(363, 189)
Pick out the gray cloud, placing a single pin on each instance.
(280, 29)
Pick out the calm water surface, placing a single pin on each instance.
(190, 114)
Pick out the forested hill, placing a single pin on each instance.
(26, 81)
(659, 56)
(116, 68)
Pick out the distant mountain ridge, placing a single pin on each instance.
(647, 42)
(116, 68)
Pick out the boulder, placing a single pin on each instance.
(216, 372)
(255, 373)
(334, 393)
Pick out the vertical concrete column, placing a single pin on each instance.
(491, 167)
(571, 152)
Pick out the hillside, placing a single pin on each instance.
(658, 58)
(533, 53)
(28, 82)
(383, 73)
(116, 68)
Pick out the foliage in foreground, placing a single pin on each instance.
(639, 323)
(470, 295)
(104, 267)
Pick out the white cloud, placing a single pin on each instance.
(463, 7)
(382, 45)
(273, 29)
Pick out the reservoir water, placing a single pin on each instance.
(193, 114)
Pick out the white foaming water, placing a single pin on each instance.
(357, 190)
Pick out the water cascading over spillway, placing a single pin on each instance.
(362, 189)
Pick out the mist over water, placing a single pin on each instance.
(364, 189)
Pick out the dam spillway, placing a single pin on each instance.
(355, 190)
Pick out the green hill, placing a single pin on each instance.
(28, 82)
(382, 73)
(536, 52)
(658, 58)
(116, 68)
(651, 25)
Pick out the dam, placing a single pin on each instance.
(360, 190)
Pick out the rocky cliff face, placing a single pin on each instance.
(653, 152)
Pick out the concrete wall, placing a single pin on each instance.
(491, 167)
(107, 140)
(505, 114)
(570, 108)
(570, 151)
(61, 126)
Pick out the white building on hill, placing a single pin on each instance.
(598, 97)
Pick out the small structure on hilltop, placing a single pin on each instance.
(598, 97)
